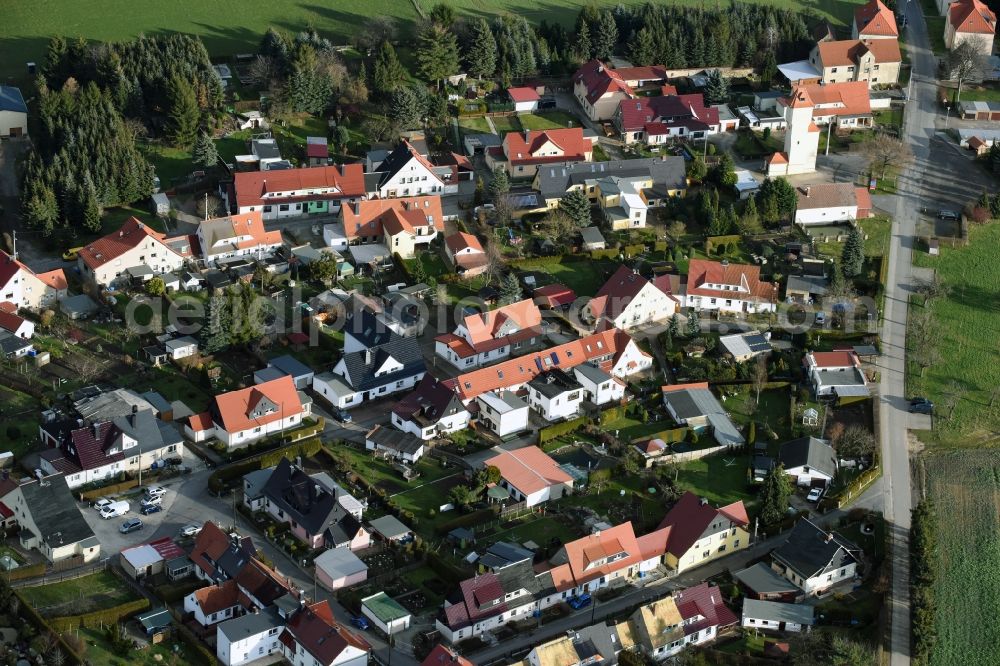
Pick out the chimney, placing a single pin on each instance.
(97, 430)
(808, 190)
(829, 537)
(703, 501)
(135, 409)
(527, 134)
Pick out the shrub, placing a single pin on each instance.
(558, 429)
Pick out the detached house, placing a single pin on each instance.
(403, 173)
(502, 413)
(522, 153)
(297, 192)
(531, 475)
(107, 260)
(699, 533)
(873, 20)
(599, 90)
(466, 254)
(246, 415)
(312, 637)
(824, 203)
(726, 287)
(656, 179)
(391, 443)
(49, 519)
(815, 560)
(628, 300)
(240, 235)
(23, 288)
(809, 461)
(433, 409)
(658, 120)
(375, 372)
(876, 61)
(836, 373)
(404, 225)
(487, 337)
(970, 21)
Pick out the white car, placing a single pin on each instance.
(155, 491)
(192, 530)
(814, 494)
(101, 503)
(155, 500)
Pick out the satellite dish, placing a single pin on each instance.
(622, 492)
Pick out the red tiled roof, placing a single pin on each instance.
(5, 511)
(554, 295)
(777, 158)
(874, 18)
(972, 16)
(706, 601)
(215, 598)
(689, 519)
(522, 148)
(653, 544)
(107, 249)
(523, 94)
(10, 266)
(670, 110)
(315, 630)
(445, 656)
(55, 279)
(847, 52)
(396, 221)
(701, 271)
(617, 293)
(483, 327)
(599, 80)
(833, 359)
(239, 410)
(849, 98)
(583, 554)
(462, 241)
(200, 422)
(10, 322)
(649, 73)
(529, 469)
(343, 182)
(365, 218)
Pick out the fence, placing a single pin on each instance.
(52, 575)
(687, 456)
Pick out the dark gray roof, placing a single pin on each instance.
(53, 510)
(81, 303)
(298, 495)
(342, 531)
(267, 374)
(361, 366)
(12, 100)
(396, 160)
(11, 344)
(591, 235)
(553, 383)
(159, 403)
(555, 179)
(151, 433)
(366, 328)
(389, 527)
(290, 365)
(764, 463)
(810, 552)
(397, 440)
(503, 554)
(812, 284)
(810, 451)
(251, 624)
(778, 612)
(762, 579)
(593, 373)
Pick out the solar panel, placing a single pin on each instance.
(538, 362)
(555, 358)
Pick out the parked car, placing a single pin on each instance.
(150, 508)
(155, 491)
(949, 215)
(814, 495)
(130, 525)
(921, 406)
(114, 510)
(342, 415)
(581, 601)
(192, 530)
(361, 622)
(820, 318)
(156, 500)
(100, 503)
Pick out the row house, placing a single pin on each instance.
(405, 172)
(289, 193)
(483, 338)
(135, 247)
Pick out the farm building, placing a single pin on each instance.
(13, 112)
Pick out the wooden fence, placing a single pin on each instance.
(687, 456)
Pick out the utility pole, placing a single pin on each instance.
(14, 243)
(829, 131)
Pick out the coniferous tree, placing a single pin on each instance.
(852, 258)
(388, 72)
(693, 325)
(606, 36)
(500, 184)
(184, 116)
(750, 221)
(642, 47)
(437, 53)
(576, 204)
(716, 88)
(205, 153)
(584, 48)
(215, 335)
(774, 494)
(481, 52)
(405, 107)
(674, 327)
(510, 290)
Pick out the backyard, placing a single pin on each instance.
(98, 652)
(722, 479)
(78, 596)
(583, 277)
(547, 120)
(970, 364)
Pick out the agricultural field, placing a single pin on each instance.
(964, 487)
(970, 358)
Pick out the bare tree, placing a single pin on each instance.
(856, 441)
(376, 30)
(208, 206)
(263, 72)
(964, 63)
(931, 288)
(676, 230)
(494, 261)
(559, 227)
(758, 374)
(922, 340)
(956, 392)
(887, 151)
(86, 366)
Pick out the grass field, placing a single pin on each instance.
(547, 120)
(722, 479)
(969, 354)
(965, 487)
(583, 277)
(78, 596)
(505, 124)
(100, 653)
(229, 27)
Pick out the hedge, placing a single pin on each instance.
(171, 593)
(604, 254)
(715, 241)
(660, 246)
(923, 569)
(474, 518)
(113, 489)
(99, 618)
(445, 570)
(537, 262)
(30, 571)
(632, 250)
(671, 436)
(28, 613)
(558, 429)
(221, 477)
(616, 413)
(188, 637)
(855, 487)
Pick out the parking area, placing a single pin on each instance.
(107, 530)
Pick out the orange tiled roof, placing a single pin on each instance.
(215, 598)
(483, 327)
(257, 405)
(852, 98)
(529, 469)
(521, 147)
(365, 218)
(972, 16)
(847, 51)
(461, 241)
(874, 18)
(117, 243)
(834, 359)
(701, 272)
(586, 554)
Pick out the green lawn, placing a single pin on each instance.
(935, 26)
(878, 230)
(20, 413)
(623, 497)
(773, 411)
(629, 428)
(970, 355)
(539, 529)
(172, 385)
(475, 125)
(583, 277)
(548, 120)
(722, 479)
(81, 595)
(433, 265)
(171, 164)
(99, 652)
(505, 124)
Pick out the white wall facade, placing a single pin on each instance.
(247, 649)
(649, 305)
(191, 605)
(413, 179)
(826, 215)
(565, 405)
(505, 423)
(15, 120)
(242, 437)
(817, 584)
(26, 291)
(149, 252)
(447, 424)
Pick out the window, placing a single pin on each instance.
(283, 207)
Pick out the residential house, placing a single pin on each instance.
(810, 461)
(530, 475)
(11, 323)
(23, 288)
(727, 287)
(746, 346)
(836, 373)
(218, 556)
(873, 20)
(13, 113)
(970, 21)
(317, 151)
(622, 203)
(181, 348)
(628, 300)
(599, 90)
(401, 446)
(366, 329)
(556, 395)
(286, 366)
(502, 413)
(241, 235)
(694, 405)
(592, 239)
(827, 203)
(599, 386)
(657, 179)
(466, 254)
(700, 532)
(376, 372)
(762, 582)
(815, 559)
(297, 192)
(487, 337)
(776, 616)
(805, 289)
(658, 120)
(524, 99)
(313, 637)
(400, 224)
(338, 568)
(611, 349)
(103, 449)
(663, 628)
(265, 152)
(246, 415)
(49, 519)
(876, 61)
(522, 154)
(846, 104)
(246, 639)
(255, 587)
(404, 172)
(136, 247)
(214, 603)
(385, 613)
(443, 655)
(430, 411)
(597, 644)
(318, 511)
(12, 346)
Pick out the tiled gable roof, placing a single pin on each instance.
(669, 110)
(689, 519)
(599, 80)
(364, 218)
(431, 400)
(847, 52)
(401, 155)
(522, 148)
(362, 365)
(972, 16)
(110, 247)
(344, 182)
(702, 272)
(314, 628)
(529, 469)
(874, 18)
(258, 405)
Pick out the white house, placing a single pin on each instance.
(48, 515)
(386, 613)
(525, 99)
(23, 288)
(13, 113)
(298, 192)
(598, 385)
(466, 254)
(555, 395)
(629, 300)
(503, 413)
(394, 444)
(241, 235)
(246, 415)
(431, 410)
(810, 461)
(827, 203)
(312, 637)
(17, 326)
(403, 173)
(181, 347)
(394, 366)
(487, 337)
(970, 21)
(836, 373)
(248, 638)
(214, 603)
(134, 246)
(815, 560)
(776, 616)
(530, 475)
(726, 287)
